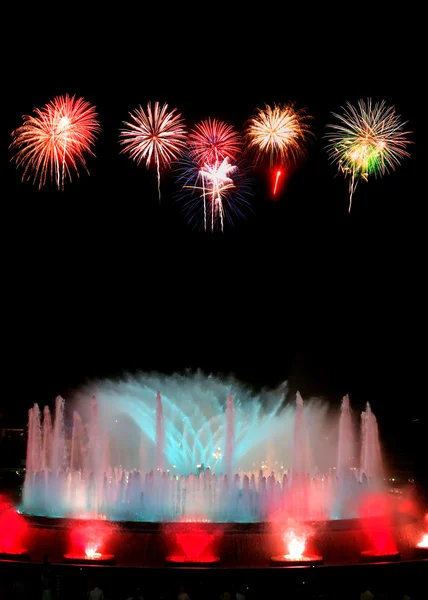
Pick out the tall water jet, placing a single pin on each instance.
(34, 460)
(34, 446)
(47, 439)
(77, 443)
(299, 475)
(94, 437)
(160, 434)
(371, 461)
(300, 458)
(58, 438)
(230, 435)
(346, 447)
(346, 480)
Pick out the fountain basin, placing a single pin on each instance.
(20, 554)
(283, 560)
(421, 552)
(178, 560)
(377, 556)
(239, 545)
(82, 559)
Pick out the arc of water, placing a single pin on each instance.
(230, 434)
(160, 433)
(266, 426)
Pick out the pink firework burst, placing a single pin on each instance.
(54, 141)
(212, 141)
(156, 136)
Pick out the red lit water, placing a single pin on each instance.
(192, 544)
(13, 532)
(89, 540)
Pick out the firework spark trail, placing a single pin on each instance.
(64, 154)
(198, 192)
(278, 175)
(369, 139)
(215, 183)
(155, 135)
(55, 140)
(218, 176)
(218, 180)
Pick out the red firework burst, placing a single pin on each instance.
(54, 141)
(156, 135)
(212, 141)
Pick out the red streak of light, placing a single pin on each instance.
(278, 175)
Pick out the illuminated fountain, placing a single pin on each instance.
(199, 449)
(421, 549)
(296, 543)
(87, 543)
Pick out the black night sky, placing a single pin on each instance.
(102, 279)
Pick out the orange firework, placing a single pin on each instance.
(54, 141)
(279, 131)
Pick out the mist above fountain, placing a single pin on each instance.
(193, 448)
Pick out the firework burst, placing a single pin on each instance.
(211, 141)
(279, 132)
(54, 141)
(215, 193)
(156, 136)
(367, 140)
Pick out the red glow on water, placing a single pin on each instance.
(195, 546)
(379, 556)
(192, 543)
(13, 532)
(376, 512)
(90, 539)
(409, 507)
(182, 559)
